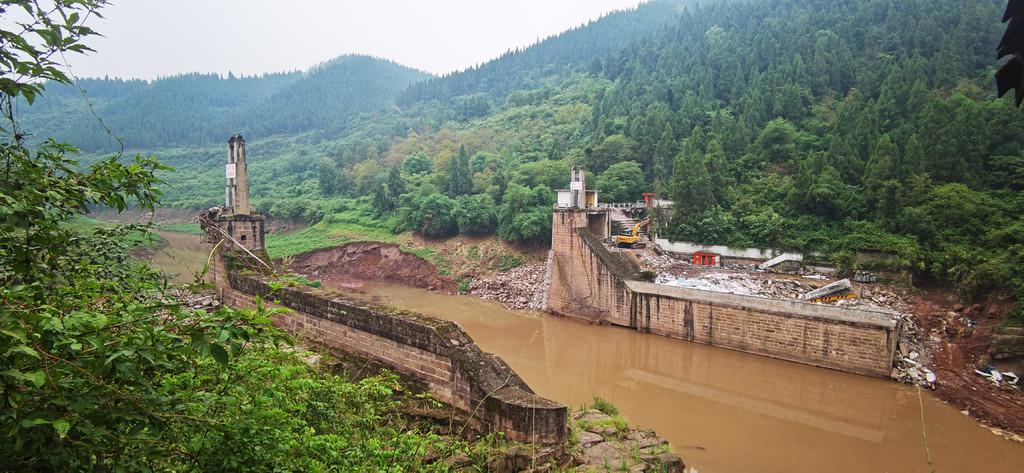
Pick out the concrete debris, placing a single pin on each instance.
(1007, 435)
(910, 366)
(998, 377)
(518, 288)
(839, 286)
(736, 283)
(196, 301)
(743, 280)
(865, 277)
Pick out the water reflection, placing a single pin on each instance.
(727, 411)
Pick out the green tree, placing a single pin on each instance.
(476, 215)
(417, 163)
(613, 149)
(692, 191)
(328, 177)
(525, 214)
(431, 216)
(622, 182)
(777, 141)
(459, 178)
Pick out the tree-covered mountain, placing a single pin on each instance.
(814, 125)
(195, 109)
(481, 87)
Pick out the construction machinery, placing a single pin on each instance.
(633, 239)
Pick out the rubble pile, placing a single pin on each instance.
(738, 283)
(207, 301)
(517, 288)
(909, 368)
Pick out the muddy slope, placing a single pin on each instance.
(959, 339)
(358, 262)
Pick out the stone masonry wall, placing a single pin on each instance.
(437, 353)
(592, 283)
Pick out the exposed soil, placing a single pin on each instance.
(958, 340)
(355, 263)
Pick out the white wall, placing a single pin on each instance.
(691, 248)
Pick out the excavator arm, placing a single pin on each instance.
(634, 237)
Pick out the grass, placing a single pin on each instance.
(136, 240)
(334, 230)
(189, 228)
(510, 261)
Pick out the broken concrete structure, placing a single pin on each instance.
(236, 194)
(591, 282)
(577, 196)
(435, 353)
(838, 287)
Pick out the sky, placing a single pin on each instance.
(153, 38)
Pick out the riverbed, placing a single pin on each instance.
(723, 411)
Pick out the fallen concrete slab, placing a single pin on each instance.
(834, 288)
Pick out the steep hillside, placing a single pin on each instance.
(195, 109)
(476, 89)
(799, 124)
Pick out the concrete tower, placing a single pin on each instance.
(236, 196)
(578, 187)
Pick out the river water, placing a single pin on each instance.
(183, 256)
(723, 411)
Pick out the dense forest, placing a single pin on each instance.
(809, 125)
(195, 109)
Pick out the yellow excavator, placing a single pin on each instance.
(631, 240)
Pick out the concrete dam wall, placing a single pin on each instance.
(434, 352)
(591, 282)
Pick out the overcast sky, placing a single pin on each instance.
(151, 38)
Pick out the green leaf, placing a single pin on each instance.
(24, 350)
(62, 427)
(219, 353)
(34, 422)
(16, 334)
(37, 378)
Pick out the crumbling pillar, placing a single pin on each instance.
(236, 198)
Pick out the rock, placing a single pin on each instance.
(651, 442)
(958, 308)
(458, 461)
(593, 416)
(588, 439)
(604, 452)
(665, 462)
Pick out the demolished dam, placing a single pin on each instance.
(591, 282)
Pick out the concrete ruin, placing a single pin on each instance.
(591, 282)
(437, 354)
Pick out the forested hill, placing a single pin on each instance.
(196, 109)
(813, 125)
(479, 87)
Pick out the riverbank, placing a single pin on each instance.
(722, 410)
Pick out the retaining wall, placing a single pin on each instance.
(591, 282)
(437, 353)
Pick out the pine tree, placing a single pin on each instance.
(459, 179)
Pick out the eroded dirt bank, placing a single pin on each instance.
(353, 264)
(958, 341)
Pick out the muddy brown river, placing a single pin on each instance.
(723, 411)
(183, 256)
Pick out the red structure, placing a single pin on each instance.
(649, 199)
(705, 259)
